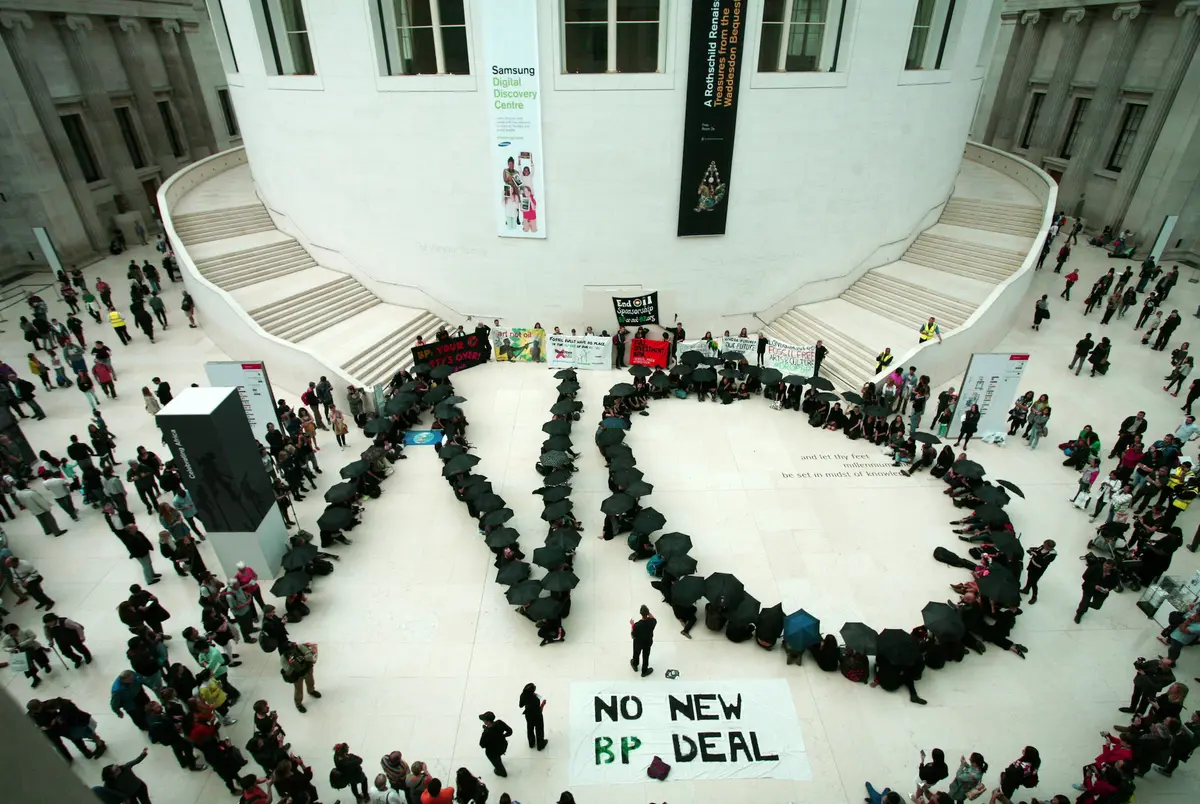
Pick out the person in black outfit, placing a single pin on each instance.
(1153, 676)
(162, 390)
(1099, 579)
(1099, 358)
(818, 357)
(273, 628)
(642, 632)
(1039, 559)
(762, 348)
(164, 730)
(67, 635)
(1130, 427)
(1169, 325)
(494, 741)
(532, 705)
(484, 332)
(970, 424)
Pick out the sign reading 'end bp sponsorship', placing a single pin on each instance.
(702, 729)
(510, 48)
(636, 310)
(710, 115)
(460, 353)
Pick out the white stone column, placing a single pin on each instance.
(74, 30)
(13, 25)
(1175, 68)
(125, 32)
(1050, 119)
(1100, 111)
(181, 89)
(1018, 85)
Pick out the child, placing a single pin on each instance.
(60, 373)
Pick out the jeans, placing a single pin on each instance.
(1077, 363)
(876, 796)
(147, 568)
(162, 317)
(35, 407)
(91, 398)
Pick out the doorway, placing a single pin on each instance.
(150, 188)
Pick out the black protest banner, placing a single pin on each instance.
(710, 115)
(636, 310)
(460, 353)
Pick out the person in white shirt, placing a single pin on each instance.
(39, 506)
(1104, 492)
(383, 794)
(1187, 431)
(60, 490)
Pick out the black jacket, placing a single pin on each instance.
(643, 631)
(1125, 425)
(494, 739)
(1084, 346)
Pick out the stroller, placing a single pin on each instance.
(1111, 542)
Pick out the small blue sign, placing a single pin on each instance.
(422, 437)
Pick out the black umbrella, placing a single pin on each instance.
(852, 397)
(827, 397)
(624, 477)
(745, 613)
(876, 410)
(560, 581)
(501, 538)
(459, 464)
(967, 468)
(558, 477)
(926, 438)
(648, 520)
(640, 371)
(687, 590)
(355, 469)
(454, 400)
(730, 374)
(943, 621)
(1008, 484)
(398, 404)
(335, 519)
(512, 572)
(544, 608)
(564, 539)
(567, 387)
(447, 412)
(682, 369)
(680, 565)
(451, 451)
(673, 544)
(378, 426)
(622, 463)
(769, 376)
(618, 503)
(622, 389)
(723, 585)
(554, 493)
(820, 383)
(692, 359)
(565, 374)
(341, 492)
(859, 637)
(609, 437)
(1006, 543)
(704, 375)
(442, 372)
(770, 623)
(477, 490)
(292, 583)
(710, 360)
(524, 592)
(298, 557)
(435, 395)
(614, 451)
(409, 387)
(639, 488)
(497, 517)
(556, 510)
(554, 458)
(736, 357)
(549, 557)
(992, 495)
(422, 369)
(558, 442)
(795, 379)
(660, 380)
(991, 516)
(898, 647)
(486, 503)
(557, 427)
(562, 408)
(1000, 585)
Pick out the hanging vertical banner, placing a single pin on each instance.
(510, 52)
(991, 382)
(710, 115)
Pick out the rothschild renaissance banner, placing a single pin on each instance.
(710, 115)
(579, 351)
(510, 50)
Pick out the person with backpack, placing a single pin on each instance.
(189, 307)
(347, 772)
(164, 730)
(297, 660)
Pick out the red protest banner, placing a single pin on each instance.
(645, 352)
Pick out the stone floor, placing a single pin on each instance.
(416, 640)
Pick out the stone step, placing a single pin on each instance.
(840, 370)
(992, 216)
(907, 303)
(255, 277)
(251, 256)
(393, 352)
(961, 267)
(275, 267)
(217, 214)
(313, 318)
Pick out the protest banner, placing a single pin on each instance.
(636, 310)
(645, 352)
(702, 346)
(747, 346)
(461, 352)
(791, 359)
(579, 351)
(519, 345)
(702, 729)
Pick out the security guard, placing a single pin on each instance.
(930, 330)
(883, 359)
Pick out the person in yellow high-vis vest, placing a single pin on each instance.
(930, 330)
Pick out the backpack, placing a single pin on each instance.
(654, 565)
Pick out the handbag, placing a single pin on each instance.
(19, 661)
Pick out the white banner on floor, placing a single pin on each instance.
(702, 729)
(250, 379)
(579, 351)
(992, 381)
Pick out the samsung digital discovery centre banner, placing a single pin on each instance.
(510, 51)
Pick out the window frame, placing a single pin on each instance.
(220, 24)
(612, 26)
(386, 11)
(1036, 99)
(131, 134)
(945, 23)
(178, 143)
(1123, 130)
(1075, 123)
(229, 113)
(422, 82)
(275, 47)
(84, 143)
(831, 48)
(663, 79)
(806, 80)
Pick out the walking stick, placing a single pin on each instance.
(59, 655)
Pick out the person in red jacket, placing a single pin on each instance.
(436, 794)
(1072, 277)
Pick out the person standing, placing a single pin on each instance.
(642, 633)
(118, 325)
(818, 357)
(298, 659)
(1131, 427)
(1169, 325)
(162, 390)
(28, 580)
(1152, 677)
(188, 305)
(1041, 311)
(1073, 237)
(1178, 374)
(68, 636)
(970, 423)
(121, 780)
(763, 343)
(60, 717)
(60, 490)
(26, 392)
(1064, 254)
(1040, 558)
(1099, 579)
(23, 642)
(930, 330)
(128, 697)
(494, 741)
(241, 608)
(1192, 394)
(1099, 357)
(1072, 277)
(532, 705)
(349, 767)
(156, 305)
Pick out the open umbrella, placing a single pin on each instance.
(820, 383)
(622, 389)
(459, 464)
(682, 369)
(554, 493)
(556, 510)
(640, 371)
(454, 400)
(378, 426)
(648, 520)
(703, 374)
(565, 374)
(1008, 484)
(967, 468)
(660, 380)
(422, 369)
(926, 438)
(292, 583)
(557, 427)
(859, 637)
(769, 376)
(614, 451)
(335, 519)
(991, 516)
(497, 517)
(852, 397)
(1000, 585)
(609, 438)
(801, 629)
(639, 488)
(795, 379)
(567, 387)
(745, 613)
(566, 539)
(730, 374)
(687, 590)
(710, 360)
(736, 357)
(501, 538)
(560, 581)
(672, 544)
(723, 585)
(614, 423)
(447, 412)
(451, 451)
(680, 565)
(512, 572)
(943, 621)
(1006, 543)
(562, 408)
(398, 404)
(487, 503)
(341, 492)
(558, 477)
(558, 442)
(355, 470)
(524, 592)
(549, 557)
(898, 647)
(992, 495)
(618, 503)
(827, 397)
(555, 458)
(474, 492)
(769, 626)
(544, 608)
(298, 557)
(624, 477)
(692, 359)
(441, 372)
(435, 395)
(409, 387)
(622, 463)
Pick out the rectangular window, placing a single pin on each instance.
(919, 39)
(1130, 124)
(1035, 110)
(1077, 116)
(612, 36)
(425, 37)
(930, 39)
(287, 33)
(77, 136)
(800, 36)
(130, 135)
(231, 124)
(168, 118)
(221, 29)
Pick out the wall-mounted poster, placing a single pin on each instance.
(510, 52)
